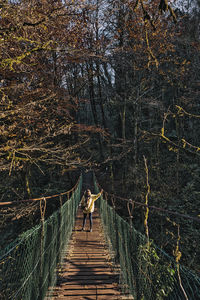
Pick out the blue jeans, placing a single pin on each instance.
(84, 219)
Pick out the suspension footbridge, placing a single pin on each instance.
(55, 260)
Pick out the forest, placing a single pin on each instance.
(107, 86)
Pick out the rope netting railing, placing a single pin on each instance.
(147, 272)
(28, 264)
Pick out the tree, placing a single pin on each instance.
(38, 40)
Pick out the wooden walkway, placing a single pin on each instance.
(86, 272)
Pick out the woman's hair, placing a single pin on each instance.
(87, 193)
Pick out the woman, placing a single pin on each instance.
(87, 205)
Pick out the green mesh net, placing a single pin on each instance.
(28, 265)
(147, 272)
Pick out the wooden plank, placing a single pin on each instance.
(85, 292)
(89, 297)
(85, 287)
(87, 282)
(90, 276)
(87, 272)
(88, 267)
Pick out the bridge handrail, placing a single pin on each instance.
(43, 197)
(159, 209)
